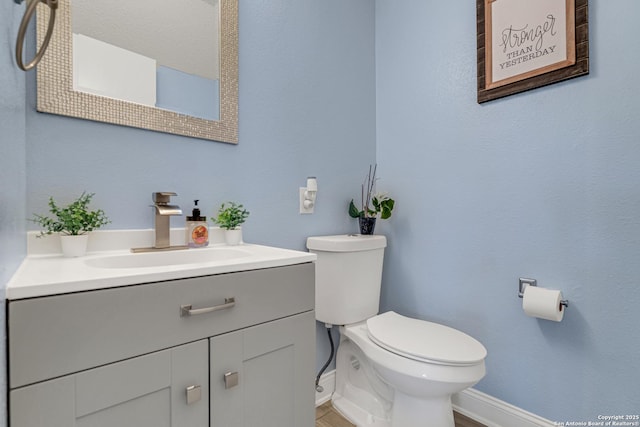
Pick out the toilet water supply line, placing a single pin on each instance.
(31, 9)
(319, 388)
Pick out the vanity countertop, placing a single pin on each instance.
(51, 274)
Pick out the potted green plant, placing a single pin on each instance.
(73, 222)
(230, 216)
(372, 204)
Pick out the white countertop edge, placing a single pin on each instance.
(68, 275)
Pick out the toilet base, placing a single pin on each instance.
(355, 414)
(410, 411)
(360, 396)
(363, 399)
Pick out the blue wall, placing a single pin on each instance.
(306, 107)
(12, 170)
(542, 184)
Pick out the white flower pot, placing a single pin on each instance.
(74, 246)
(233, 237)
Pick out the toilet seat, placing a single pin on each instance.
(424, 341)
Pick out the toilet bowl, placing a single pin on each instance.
(391, 370)
(421, 365)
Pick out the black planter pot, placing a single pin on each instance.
(367, 225)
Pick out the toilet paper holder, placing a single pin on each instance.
(523, 283)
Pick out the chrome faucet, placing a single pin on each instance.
(163, 212)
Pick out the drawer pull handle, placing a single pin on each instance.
(187, 310)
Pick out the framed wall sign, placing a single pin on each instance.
(525, 44)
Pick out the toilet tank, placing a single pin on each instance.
(348, 276)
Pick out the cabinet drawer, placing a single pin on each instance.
(58, 335)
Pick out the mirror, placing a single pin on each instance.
(186, 60)
(162, 62)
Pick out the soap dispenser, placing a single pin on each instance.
(197, 233)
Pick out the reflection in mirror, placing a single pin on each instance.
(162, 62)
(156, 64)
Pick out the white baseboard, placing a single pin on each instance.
(494, 412)
(474, 404)
(328, 383)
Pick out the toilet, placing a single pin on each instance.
(391, 370)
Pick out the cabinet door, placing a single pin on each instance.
(146, 391)
(274, 363)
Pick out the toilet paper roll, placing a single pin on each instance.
(543, 303)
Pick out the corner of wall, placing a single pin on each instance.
(12, 170)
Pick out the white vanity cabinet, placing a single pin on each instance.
(134, 356)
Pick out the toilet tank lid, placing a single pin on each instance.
(346, 243)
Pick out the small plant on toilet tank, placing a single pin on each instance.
(372, 204)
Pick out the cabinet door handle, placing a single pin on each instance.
(230, 379)
(194, 394)
(187, 310)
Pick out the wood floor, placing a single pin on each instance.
(326, 416)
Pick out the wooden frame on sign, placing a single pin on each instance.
(524, 44)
